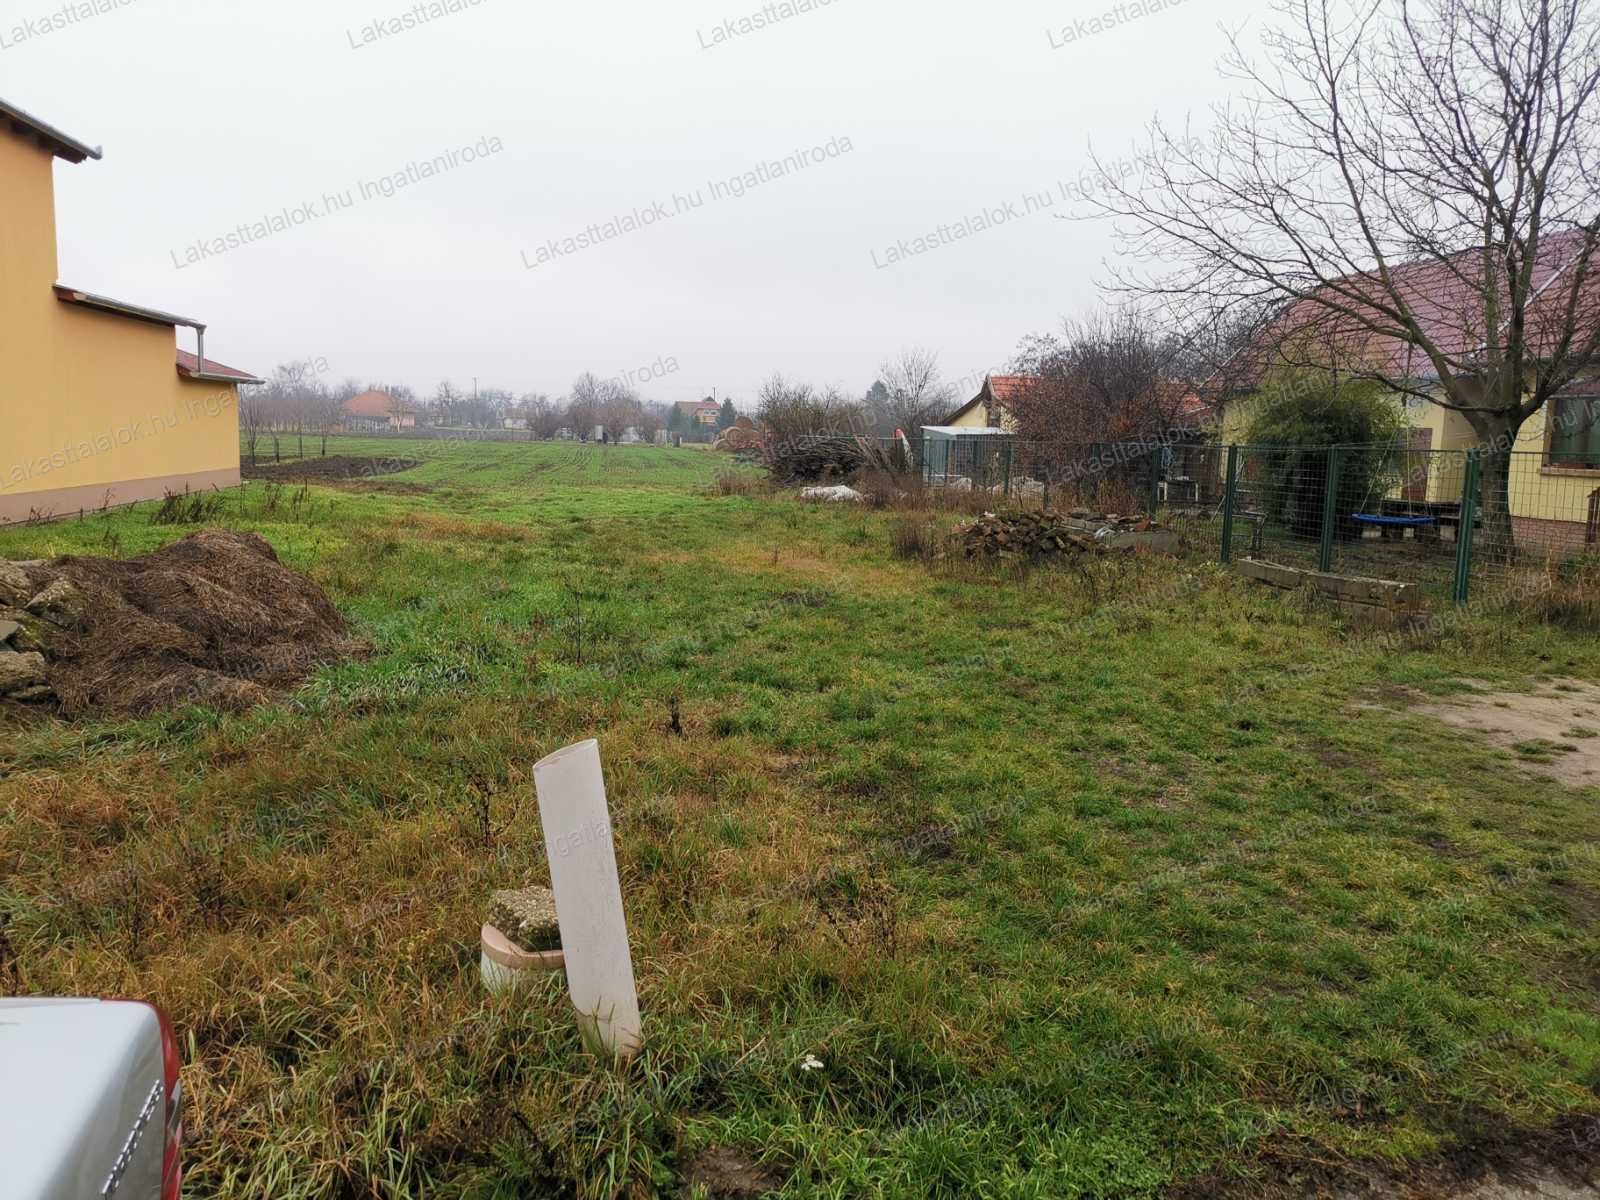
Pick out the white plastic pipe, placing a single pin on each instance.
(583, 874)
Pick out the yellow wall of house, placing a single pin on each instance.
(1448, 429)
(1540, 492)
(980, 416)
(974, 418)
(89, 400)
(1537, 491)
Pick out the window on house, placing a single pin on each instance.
(1575, 431)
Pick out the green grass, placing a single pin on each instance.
(1079, 883)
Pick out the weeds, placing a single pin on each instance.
(188, 508)
(913, 537)
(740, 480)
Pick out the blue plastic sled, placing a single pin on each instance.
(1392, 522)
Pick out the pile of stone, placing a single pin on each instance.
(24, 675)
(1115, 522)
(1024, 535)
(1036, 533)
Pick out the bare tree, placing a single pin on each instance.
(619, 411)
(308, 397)
(543, 416)
(1416, 187)
(250, 418)
(290, 399)
(912, 393)
(791, 412)
(491, 408)
(330, 415)
(528, 408)
(589, 394)
(652, 419)
(1104, 377)
(446, 402)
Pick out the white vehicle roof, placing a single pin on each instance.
(74, 1077)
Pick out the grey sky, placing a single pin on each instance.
(216, 115)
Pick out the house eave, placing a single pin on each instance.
(48, 137)
(118, 308)
(209, 377)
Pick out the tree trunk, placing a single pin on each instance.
(1496, 539)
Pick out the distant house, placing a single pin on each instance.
(690, 415)
(1166, 432)
(98, 406)
(988, 409)
(702, 412)
(374, 410)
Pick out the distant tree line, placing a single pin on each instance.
(297, 403)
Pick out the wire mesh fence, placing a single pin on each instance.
(1447, 520)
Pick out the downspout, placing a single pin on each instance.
(200, 348)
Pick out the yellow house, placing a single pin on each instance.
(1553, 490)
(988, 410)
(98, 405)
(1554, 486)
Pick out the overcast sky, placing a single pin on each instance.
(215, 115)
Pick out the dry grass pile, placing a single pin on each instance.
(214, 618)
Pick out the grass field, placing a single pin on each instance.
(1094, 882)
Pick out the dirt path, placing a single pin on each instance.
(1553, 730)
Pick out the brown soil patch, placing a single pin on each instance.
(726, 1173)
(212, 619)
(1486, 1162)
(1549, 731)
(333, 468)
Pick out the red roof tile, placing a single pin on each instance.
(1008, 387)
(372, 405)
(1446, 299)
(188, 364)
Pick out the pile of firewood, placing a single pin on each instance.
(1025, 535)
(827, 459)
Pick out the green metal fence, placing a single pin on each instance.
(1455, 522)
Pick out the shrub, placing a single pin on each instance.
(1314, 411)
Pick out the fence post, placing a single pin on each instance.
(1008, 472)
(1229, 491)
(1155, 483)
(1464, 531)
(1330, 511)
